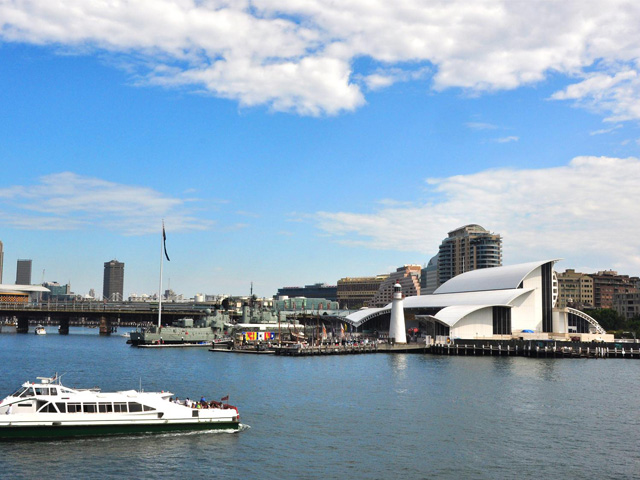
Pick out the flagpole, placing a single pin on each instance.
(160, 287)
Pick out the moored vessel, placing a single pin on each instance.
(40, 330)
(205, 330)
(46, 409)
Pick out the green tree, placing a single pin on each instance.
(608, 318)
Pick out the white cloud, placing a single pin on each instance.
(605, 130)
(584, 212)
(481, 126)
(299, 56)
(616, 93)
(508, 139)
(68, 201)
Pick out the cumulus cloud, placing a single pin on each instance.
(301, 56)
(584, 212)
(68, 201)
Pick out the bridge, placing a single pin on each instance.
(106, 315)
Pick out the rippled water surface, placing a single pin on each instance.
(362, 416)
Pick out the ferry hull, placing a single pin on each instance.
(69, 431)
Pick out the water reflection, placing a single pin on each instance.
(398, 364)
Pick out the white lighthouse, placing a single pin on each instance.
(396, 326)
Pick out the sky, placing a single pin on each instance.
(286, 143)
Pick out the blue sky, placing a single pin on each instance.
(286, 143)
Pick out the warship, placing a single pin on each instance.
(204, 330)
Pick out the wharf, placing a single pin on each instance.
(303, 351)
(249, 351)
(538, 349)
(175, 345)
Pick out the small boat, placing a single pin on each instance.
(40, 330)
(47, 409)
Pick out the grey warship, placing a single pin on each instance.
(206, 329)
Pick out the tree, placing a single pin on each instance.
(608, 318)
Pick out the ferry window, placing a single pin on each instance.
(62, 407)
(27, 392)
(120, 407)
(135, 407)
(73, 408)
(105, 408)
(46, 407)
(147, 408)
(53, 391)
(19, 392)
(42, 391)
(89, 407)
(195, 413)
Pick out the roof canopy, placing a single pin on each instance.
(475, 300)
(22, 288)
(496, 278)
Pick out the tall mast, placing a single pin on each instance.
(160, 287)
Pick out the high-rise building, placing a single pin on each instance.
(468, 248)
(607, 283)
(575, 289)
(23, 272)
(407, 276)
(113, 285)
(1, 261)
(627, 304)
(429, 277)
(357, 292)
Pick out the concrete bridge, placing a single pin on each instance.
(106, 314)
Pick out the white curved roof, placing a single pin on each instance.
(451, 315)
(361, 316)
(499, 298)
(22, 288)
(496, 278)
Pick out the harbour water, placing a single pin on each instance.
(359, 416)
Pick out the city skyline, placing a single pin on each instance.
(308, 146)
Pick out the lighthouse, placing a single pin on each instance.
(396, 326)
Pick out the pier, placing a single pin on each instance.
(530, 349)
(535, 349)
(305, 351)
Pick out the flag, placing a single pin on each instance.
(225, 399)
(164, 242)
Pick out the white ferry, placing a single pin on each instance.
(47, 409)
(40, 330)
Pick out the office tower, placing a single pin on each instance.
(113, 286)
(23, 272)
(468, 248)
